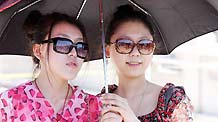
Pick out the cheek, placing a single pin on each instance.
(48, 52)
(80, 62)
(56, 61)
(117, 59)
(147, 60)
(55, 58)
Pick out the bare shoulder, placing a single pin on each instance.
(155, 89)
(152, 95)
(153, 92)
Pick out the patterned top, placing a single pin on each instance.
(27, 103)
(173, 106)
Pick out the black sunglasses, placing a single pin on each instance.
(126, 46)
(65, 46)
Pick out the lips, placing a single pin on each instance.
(72, 64)
(133, 63)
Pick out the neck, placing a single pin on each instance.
(51, 86)
(129, 87)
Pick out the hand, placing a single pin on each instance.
(117, 104)
(107, 116)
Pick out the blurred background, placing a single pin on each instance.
(193, 65)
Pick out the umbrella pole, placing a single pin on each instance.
(103, 44)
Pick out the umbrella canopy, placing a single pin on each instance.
(4, 4)
(176, 21)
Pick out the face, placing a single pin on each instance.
(131, 63)
(66, 65)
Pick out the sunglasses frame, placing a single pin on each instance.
(134, 44)
(74, 45)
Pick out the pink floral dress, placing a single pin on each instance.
(27, 103)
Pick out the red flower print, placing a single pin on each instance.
(83, 105)
(20, 107)
(26, 103)
(24, 99)
(4, 102)
(38, 113)
(33, 117)
(67, 113)
(38, 105)
(80, 96)
(77, 110)
(39, 95)
(32, 92)
(22, 117)
(70, 103)
(47, 104)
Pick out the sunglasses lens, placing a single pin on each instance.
(145, 47)
(124, 46)
(82, 49)
(63, 46)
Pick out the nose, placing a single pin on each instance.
(73, 52)
(135, 52)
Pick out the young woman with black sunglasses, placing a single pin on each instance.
(130, 47)
(59, 47)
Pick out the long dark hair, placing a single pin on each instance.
(127, 13)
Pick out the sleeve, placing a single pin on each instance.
(183, 111)
(94, 108)
(92, 113)
(5, 107)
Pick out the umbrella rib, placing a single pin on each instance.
(143, 10)
(16, 12)
(140, 8)
(80, 10)
(29, 5)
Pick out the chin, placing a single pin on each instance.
(70, 76)
(135, 75)
(135, 72)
